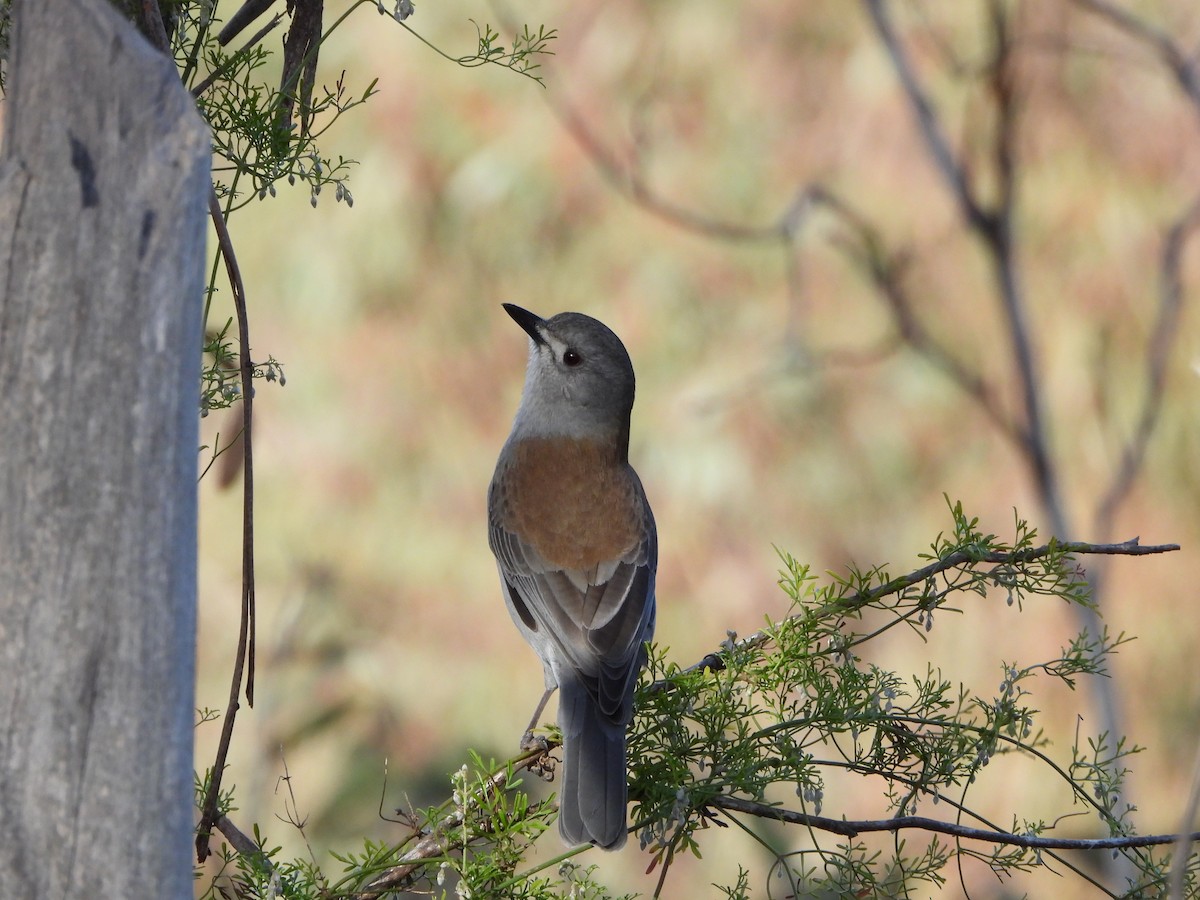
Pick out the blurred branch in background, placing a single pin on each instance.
(993, 226)
(1185, 67)
(991, 218)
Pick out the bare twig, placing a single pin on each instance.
(992, 224)
(217, 73)
(293, 810)
(301, 49)
(929, 124)
(240, 841)
(887, 276)
(244, 659)
(1184, 68)
(629, 182)
(852, 828)
(220, 453)
(233, 461)
(240, 20)
(1183, 847)
(1170, 304)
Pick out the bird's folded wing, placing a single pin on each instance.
(597, 626)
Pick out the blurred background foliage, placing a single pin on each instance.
(777, 404)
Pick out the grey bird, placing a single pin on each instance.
(576, 546)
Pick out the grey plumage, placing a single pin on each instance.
(576, 548)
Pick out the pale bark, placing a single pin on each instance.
(103, 180)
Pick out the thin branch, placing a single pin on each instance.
(447, 837)
(242, 842)
(231, 462)
(1183, 848)
(927, 121)
(992, 224)
(853, 828)
(220, 71)
(293, 812)
(155, 30)
(1170, 305)
(887, 276)
(628, 180)
(244, 658)
(1131, 547)
(962, 810)
(240, 20)
(219, 452)
(247, 376)
(1183, 67)
(630, 183)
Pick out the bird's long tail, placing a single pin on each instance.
(594, 792)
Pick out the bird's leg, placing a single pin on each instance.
(528, 740)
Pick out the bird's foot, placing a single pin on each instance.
(531, 742)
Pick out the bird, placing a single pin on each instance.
(577, 551)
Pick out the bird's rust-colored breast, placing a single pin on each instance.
(575, 501)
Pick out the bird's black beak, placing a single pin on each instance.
(527, 320)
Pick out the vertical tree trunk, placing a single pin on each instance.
(103, 180)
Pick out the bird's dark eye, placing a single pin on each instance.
(571, 358)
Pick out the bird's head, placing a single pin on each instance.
(579, 379)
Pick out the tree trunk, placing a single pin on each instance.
(103, 180)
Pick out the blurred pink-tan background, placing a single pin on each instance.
(769, 413)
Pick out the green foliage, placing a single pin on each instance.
(262, 874)
(755, 732)
(796, 701)
(267, 133)
(255, 139)
(252, 138)
(221, 384)
(482, 834)
(200, 788)
(522, 56)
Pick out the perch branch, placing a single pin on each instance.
(853, 828)
(1131, 547)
